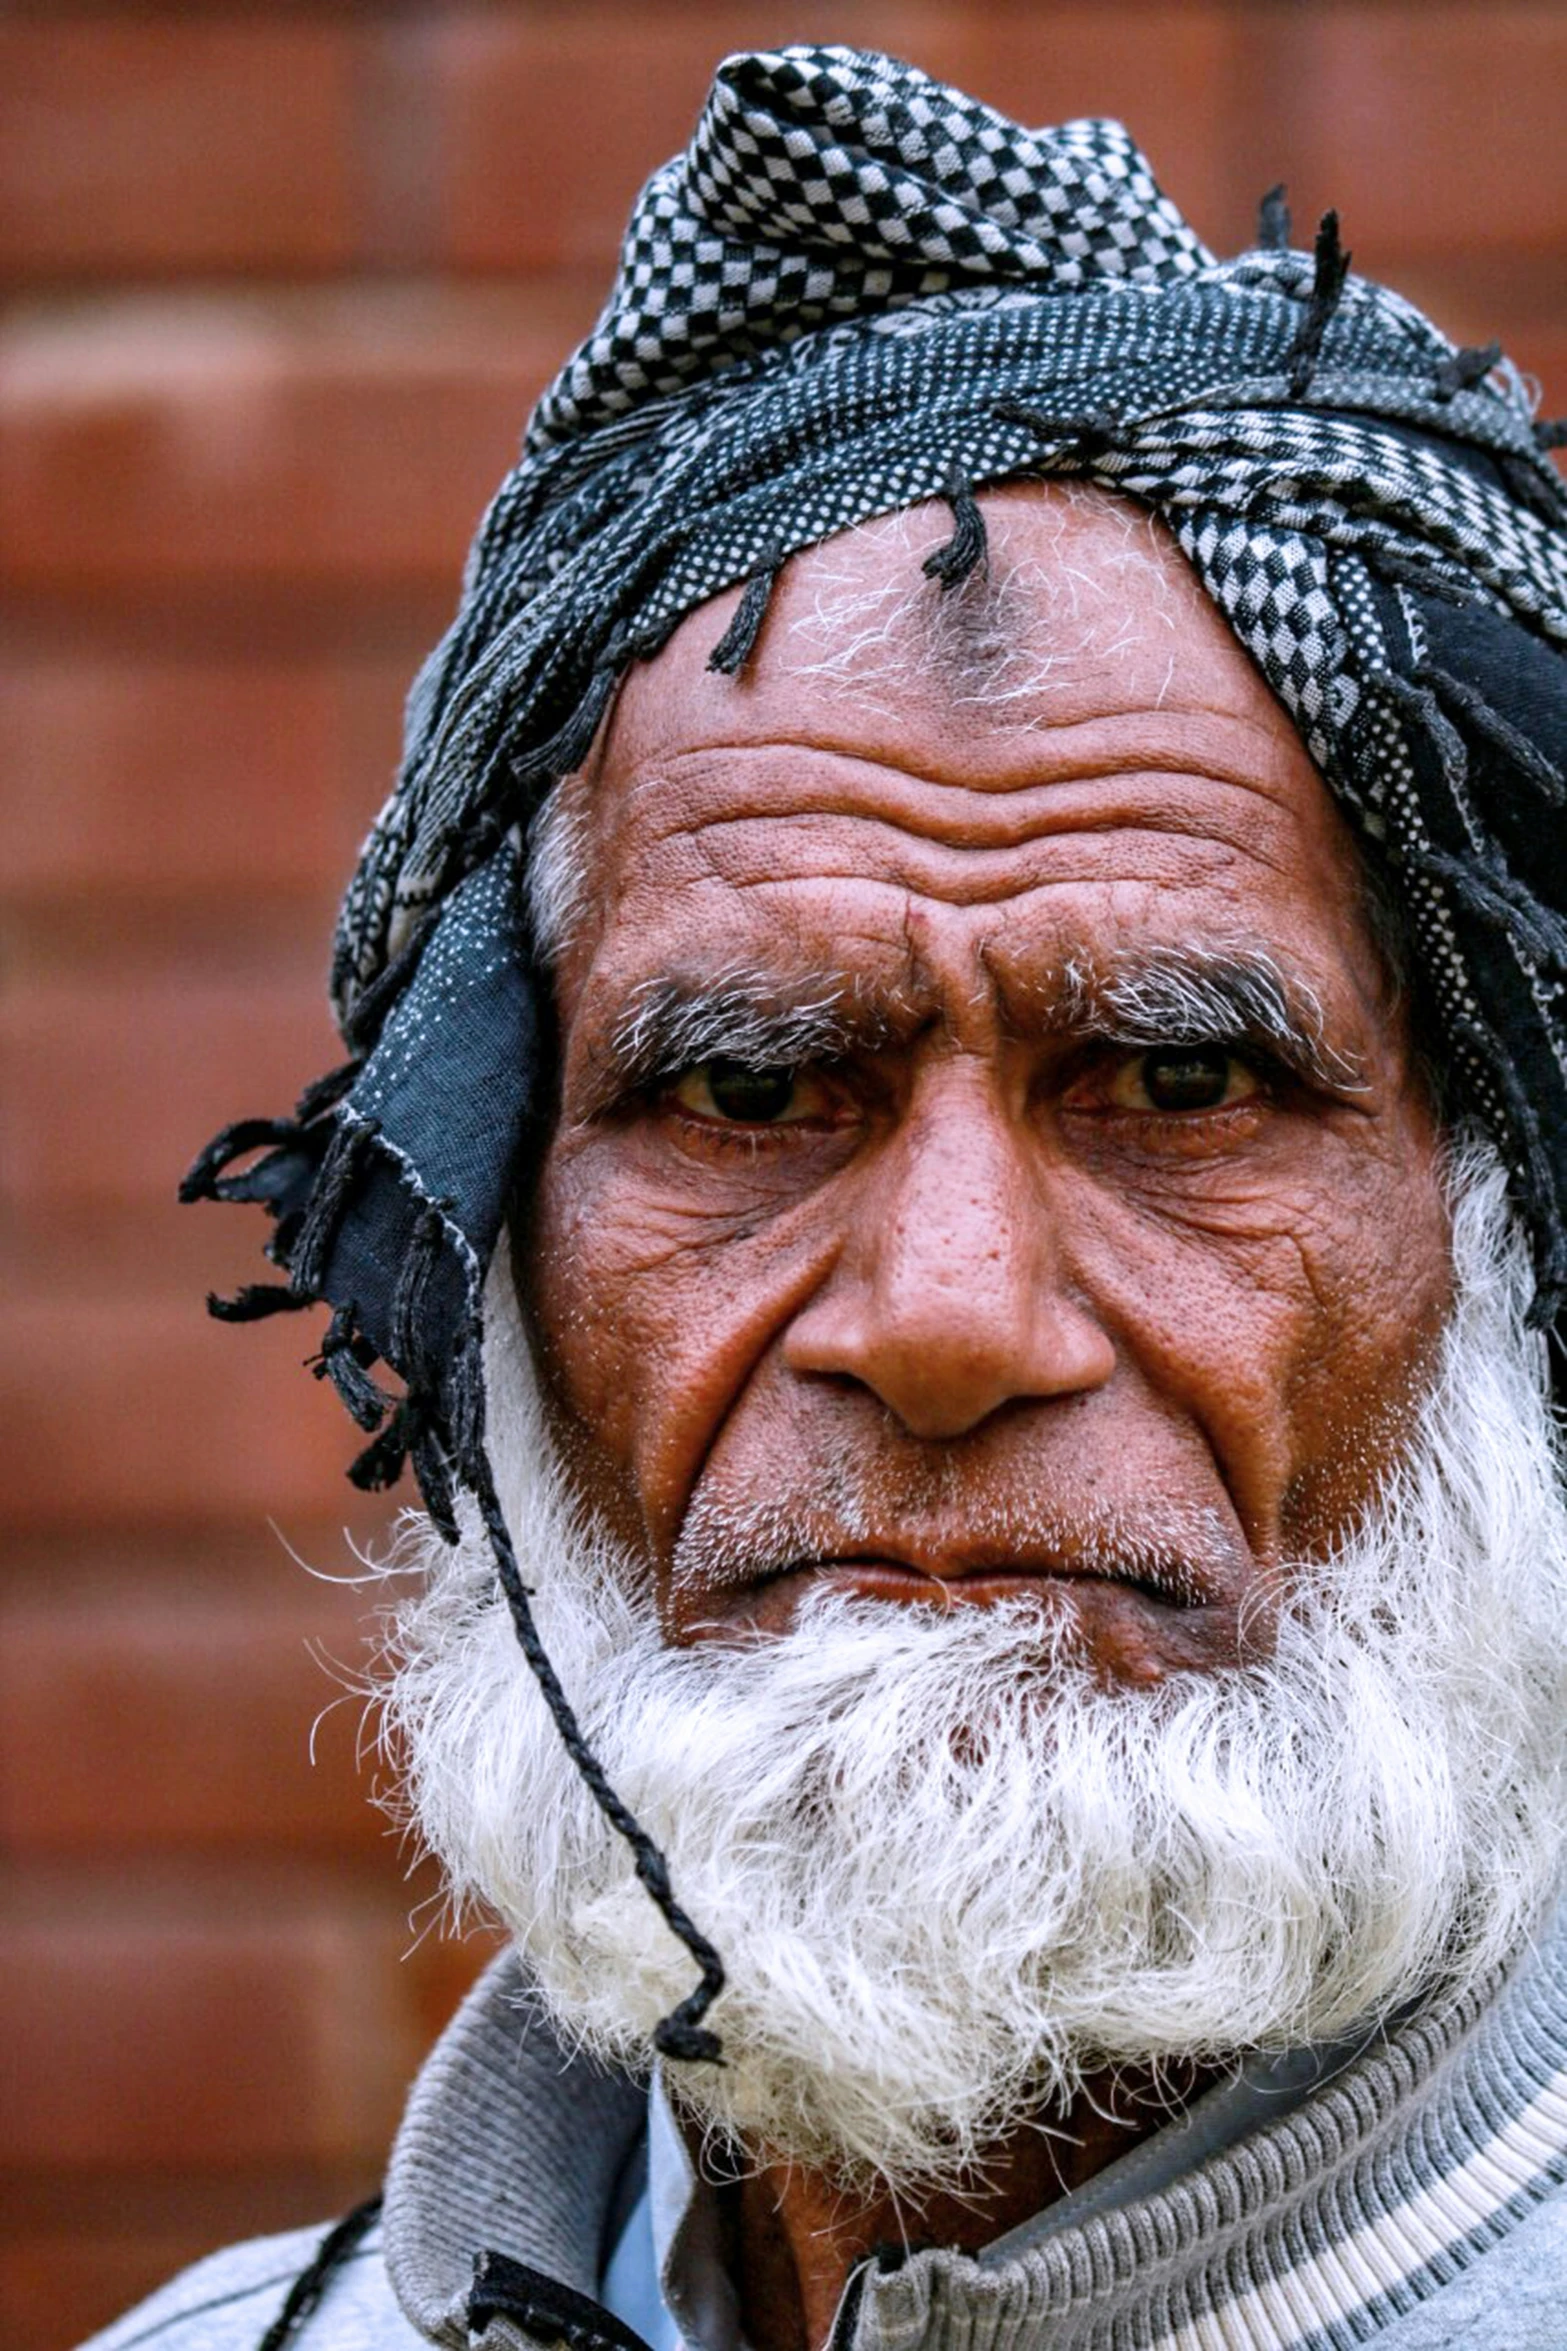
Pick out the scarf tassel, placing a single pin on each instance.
(969, 546)
(1467, 367)
(1088, 435)
(257, 1302)
(345, 1359)
(1273, 221)
(1498, 731)
(1330, 275)
(738, 642)
(1492, 895)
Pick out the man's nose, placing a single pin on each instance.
(950, 1297)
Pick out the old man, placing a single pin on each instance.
(956, 1133)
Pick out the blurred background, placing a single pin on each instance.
(281, 283)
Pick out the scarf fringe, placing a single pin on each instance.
(969, 546)
(738, 642)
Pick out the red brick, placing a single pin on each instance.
(146, 776)
(221, 2042)
(170, 145)
(547, 127)
(81, 2246)
(141, 1412)
(112, 1087)
(1434, 127)
(330, 439)
(543, 127)
(120, 1397)
(142, 1718)
(83, 1247)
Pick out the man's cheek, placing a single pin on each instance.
(1305, 1342)
(652, 1307)
(1239, 1315)
(1352, 1400)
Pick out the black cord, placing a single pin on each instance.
(682, 2033)
(307, 2289)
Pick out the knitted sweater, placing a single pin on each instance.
(1415, 2200)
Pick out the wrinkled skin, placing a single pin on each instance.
(982, 1261)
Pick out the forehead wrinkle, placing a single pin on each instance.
(1179, 853)
(801, 830)
(1267, 762)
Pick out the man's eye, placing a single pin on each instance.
(1183, 1077)
(730, 1091)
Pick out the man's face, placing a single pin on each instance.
(988, 1157)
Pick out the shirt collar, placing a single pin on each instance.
(687, 2242)
(693, 2277)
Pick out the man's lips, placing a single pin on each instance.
(1138, 1594)
(1134, 1625)
(951, 1579)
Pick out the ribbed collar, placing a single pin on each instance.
(1360, 2201)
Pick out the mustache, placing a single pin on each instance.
(1187, 1556)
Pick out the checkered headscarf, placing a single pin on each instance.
(854, 290)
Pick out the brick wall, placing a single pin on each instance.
(281, 284)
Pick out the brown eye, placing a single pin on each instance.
(1175, 1078)
(742, 1096)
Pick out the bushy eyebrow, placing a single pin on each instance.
(671, 1025)
(1167, 996)
(1160, 997)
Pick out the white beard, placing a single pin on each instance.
(950, 1875)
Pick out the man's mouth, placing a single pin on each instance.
(1132, 1622)
(982, 1577)
(1172, 1590)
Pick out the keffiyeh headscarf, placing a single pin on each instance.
(857, 289)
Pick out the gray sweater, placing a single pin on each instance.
(1414, 2199)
